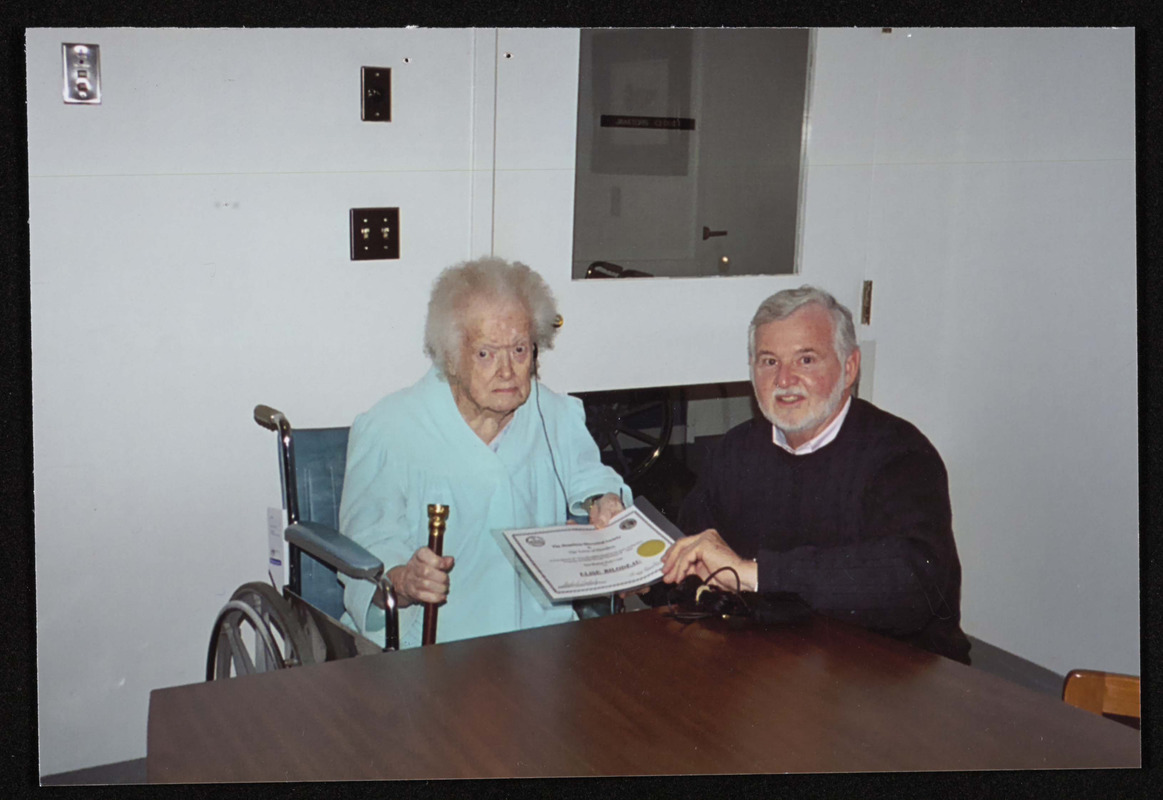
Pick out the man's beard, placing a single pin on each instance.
(817, 412)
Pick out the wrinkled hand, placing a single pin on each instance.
(604, 509)
(701, 555)
(424, 579)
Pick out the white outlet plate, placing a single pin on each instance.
(82, 72)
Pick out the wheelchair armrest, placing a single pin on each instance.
(334, 549)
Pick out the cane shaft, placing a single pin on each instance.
(437, 517)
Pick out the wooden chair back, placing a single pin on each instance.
(1103, 692)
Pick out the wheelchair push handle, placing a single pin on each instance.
(274, 420)
(269, 418)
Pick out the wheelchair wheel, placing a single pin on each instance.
(631, 428)
(256, 632)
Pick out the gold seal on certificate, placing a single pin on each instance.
(571, 562)
(655, 547)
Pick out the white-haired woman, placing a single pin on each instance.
(480, 434)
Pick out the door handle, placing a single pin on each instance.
(708, 233)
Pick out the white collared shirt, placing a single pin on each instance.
(822, 438)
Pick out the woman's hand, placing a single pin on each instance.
(424, 579)
(604, 509)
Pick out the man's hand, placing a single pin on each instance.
(424, 579)
(604, 509)
(702, 555)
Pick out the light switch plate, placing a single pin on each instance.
(375, 233)
(82, 72)
(376, 88)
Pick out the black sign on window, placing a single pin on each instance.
(653, 123)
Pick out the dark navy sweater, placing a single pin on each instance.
(860, 529)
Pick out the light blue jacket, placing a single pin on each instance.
(414, 448)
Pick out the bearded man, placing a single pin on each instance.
(828, 497)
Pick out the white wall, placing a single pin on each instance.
(987, 181)
(189, 260)
(181, 230)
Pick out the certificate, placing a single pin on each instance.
(575, 561)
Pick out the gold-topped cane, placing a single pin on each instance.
(437, 519)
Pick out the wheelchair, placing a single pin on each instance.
(262, 629)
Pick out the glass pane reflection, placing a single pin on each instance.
(689, 153)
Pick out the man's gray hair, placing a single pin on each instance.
(782, 305)
(492, 279)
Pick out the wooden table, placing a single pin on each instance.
(633, 694)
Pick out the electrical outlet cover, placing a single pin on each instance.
(82, 72)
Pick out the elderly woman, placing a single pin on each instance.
(480, 434)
